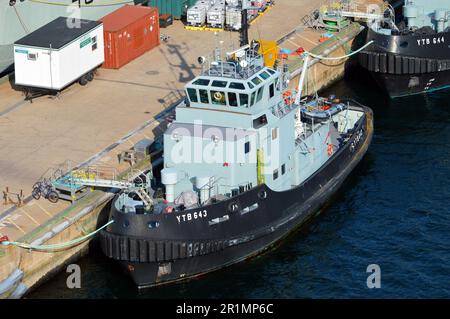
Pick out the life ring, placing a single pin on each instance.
(326, 107)
(218, 96)
(330, 149)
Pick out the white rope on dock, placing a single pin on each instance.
(341, 57)
(69, 244)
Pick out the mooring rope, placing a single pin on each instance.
(341, 57)
(56, 246)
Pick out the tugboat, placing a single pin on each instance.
(412, 56)
(246, 161)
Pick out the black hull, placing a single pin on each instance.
(409, 64)
(181, 250)
(405, 85)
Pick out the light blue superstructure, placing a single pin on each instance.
(237, 129)
(432, 13)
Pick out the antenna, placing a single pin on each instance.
(246, 5)
(302, 80)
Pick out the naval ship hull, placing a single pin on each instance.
(178, 251)
(408, 64)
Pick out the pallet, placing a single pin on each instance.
(203, 28)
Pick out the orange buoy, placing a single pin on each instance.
(330, 149)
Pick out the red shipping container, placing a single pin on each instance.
(129, 32)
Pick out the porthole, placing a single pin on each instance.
(262, 194)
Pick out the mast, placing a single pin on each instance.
(243, 36)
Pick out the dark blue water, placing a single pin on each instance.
(393, 211)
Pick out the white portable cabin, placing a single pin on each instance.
(59, 53)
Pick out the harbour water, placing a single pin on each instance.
(393, 211)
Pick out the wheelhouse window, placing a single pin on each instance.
(204, 96)
(218, 98)
(271, 71)
(252, 101)
(271, 91)
(256, 80)
(237, 86)
(260, 94)
(192, 93)
(250, 85)
(243, 98)
(264, 75)
(202, 82)
(283, 169)
(219, 84)
(232, 99)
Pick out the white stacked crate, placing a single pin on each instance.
(233, 18)
(216, 15)
(196, 15)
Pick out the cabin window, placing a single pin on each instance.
(203, 82)
(250, 85)
(232, 99)
(218, 98)
(237, 86)
(243, 99)
(260, 94)
(260, 121)
(283, 169)
(247, 147)
(264, 75)
(192, 95)
(219, 84)
(276, 84)
(32, 56)
(256, 80)
(94, 43)
(274, 133)
(204, 96)
(252, 101)
(275, 174)
(271, 90)
(271, 71)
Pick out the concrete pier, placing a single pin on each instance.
(94, 124)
